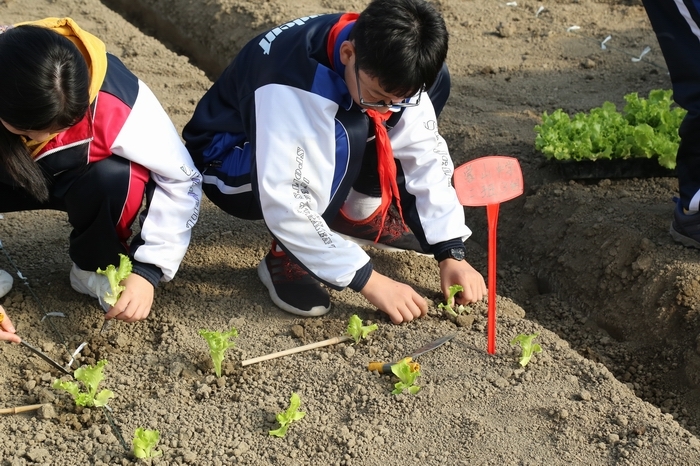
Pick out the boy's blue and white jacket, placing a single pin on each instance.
(281, 122)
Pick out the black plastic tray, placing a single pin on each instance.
(602, 169)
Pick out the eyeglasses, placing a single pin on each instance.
(381, 103)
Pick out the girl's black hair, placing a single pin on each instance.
(402, 43)
(44, 85)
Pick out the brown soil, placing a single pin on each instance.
(588, 265)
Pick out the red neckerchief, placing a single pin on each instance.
(386, 166)
(344, 20)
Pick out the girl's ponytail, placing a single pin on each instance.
(16, 160)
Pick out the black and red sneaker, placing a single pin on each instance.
(291, 288)
(394, 236)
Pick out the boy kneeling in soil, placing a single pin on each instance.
(326, 128)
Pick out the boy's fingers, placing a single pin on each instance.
(396, 317)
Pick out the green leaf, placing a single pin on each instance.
(102, 398)
(218, 343)
(447, 307)
(407, 375)
(90, 376)
(281, 432)
(413, 390)
(70, 387)
(292, 413)
(288, 416)
(646, 128)
(528, 348)
(84, 399)
(144, 443)
(357, 331)
(115, 276)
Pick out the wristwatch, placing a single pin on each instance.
(452, 253)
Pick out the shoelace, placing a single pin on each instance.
(283, 269)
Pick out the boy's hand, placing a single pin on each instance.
(7, 330)
(454, 272)
(135, 302)
(398, 300)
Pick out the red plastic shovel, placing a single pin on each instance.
(488, 181)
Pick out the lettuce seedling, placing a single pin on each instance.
(144, 443)
(218, 343)
(528, 348)
(287, 417)
(90, 376)
(358, 331)
(115, 276)
(407, 374)
(447, 307)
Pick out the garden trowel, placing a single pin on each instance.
(488, 181)
(385, 367)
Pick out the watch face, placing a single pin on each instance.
(457, 253)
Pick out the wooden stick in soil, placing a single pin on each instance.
(20, 409)
(299, 349)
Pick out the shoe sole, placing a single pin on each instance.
(381, 246)
(684, 240)
(266, 278)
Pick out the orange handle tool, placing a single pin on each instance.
(385, 367)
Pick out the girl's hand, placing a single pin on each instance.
(135, 302)
(7, 330)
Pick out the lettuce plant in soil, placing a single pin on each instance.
(288, 416)
(407, 374)
(90, 377)
(447, 307)
(218, 343)
(144, 443)
(528, 347)
(358, 331)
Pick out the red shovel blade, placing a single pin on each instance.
(488, 181)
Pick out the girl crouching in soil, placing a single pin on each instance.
(81, 134)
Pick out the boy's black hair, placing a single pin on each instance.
(402, 43)
(44, 85)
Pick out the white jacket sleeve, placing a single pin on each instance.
(428, 170)
(149, 138)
